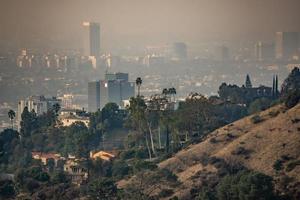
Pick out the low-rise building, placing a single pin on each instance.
(45, 157)
(75, 171)
(70, 116)
(102, 155)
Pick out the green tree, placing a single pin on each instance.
(11, 116)
(104, 189)
(113, 115)
(291, 83)
(246, 185)
(28, 123)
(56, 108)
(138, 123)
(7, 189)
(259, 105)
(10, 148)
(59, 177)
(138, 82)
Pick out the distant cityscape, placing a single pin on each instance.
(90, 77)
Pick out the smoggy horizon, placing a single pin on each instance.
(133, 24)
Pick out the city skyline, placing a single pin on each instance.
(131, 25)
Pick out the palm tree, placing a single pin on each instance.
(56, 108)
(138, 82)
(172, 91)
(165, 92)
(11, 115)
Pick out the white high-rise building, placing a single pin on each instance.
(91, 39)
(40, 105)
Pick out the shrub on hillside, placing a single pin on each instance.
(246, 185)
(241, 151)
(7, 189)
(259, 105)
(143, 165)
(128, 154)
(165, 193)
(213, 140)
(292, 99)
(256, 119)
(273, 113)
(205, 194)
(278, 165)
(141, 153)
(120, 169)
(292, 164)
(296, 120)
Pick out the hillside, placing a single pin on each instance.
(255, 142)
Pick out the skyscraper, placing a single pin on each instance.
(264, 51)
(91, 39)
(287, 45)
(93, 96)
(115, 88)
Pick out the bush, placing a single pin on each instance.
(142, 165)
(130, 153)
(7, 189)
(213, 140)
(259, 105)
(165, 193)
(273, 113)
(59, 177)
(120, 169)
(246, 185)
(241, 151)
(278, 165)
(256, 119)
(212, 160)
(292, 98)
(141, 153)
(296, 120)
(102, 189)
(206, 194)
(292, 164)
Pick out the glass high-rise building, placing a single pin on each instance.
(114, 88)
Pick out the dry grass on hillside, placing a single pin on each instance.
(255, 142)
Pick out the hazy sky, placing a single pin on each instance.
(51, 23)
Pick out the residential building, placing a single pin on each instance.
(38, 104)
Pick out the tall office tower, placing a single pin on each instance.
(114, 88)
(178, 51)
(222, 53)
(287, 45)
(93, 96)
(91, 39)
(263, 51)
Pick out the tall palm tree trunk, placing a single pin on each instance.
(159, 138)
(151, 139)
(168, 140)
(148, 148)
